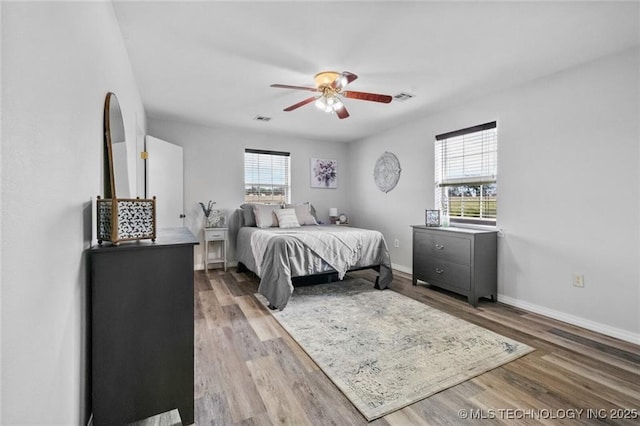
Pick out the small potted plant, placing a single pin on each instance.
(212, 218)
(207, 213)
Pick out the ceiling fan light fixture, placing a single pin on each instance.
(329, 103)
(330, 85)
(325, 78)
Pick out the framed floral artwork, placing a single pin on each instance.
(324, 173)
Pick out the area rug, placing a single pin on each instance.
(385, 351)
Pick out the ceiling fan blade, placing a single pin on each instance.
(286, 86)
(301, 103)
(342, 112)
(349, 76)
(343, 79)
(363, 96)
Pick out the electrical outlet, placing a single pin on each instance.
(396, 243)
(578, 280)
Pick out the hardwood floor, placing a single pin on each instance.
(250, 372)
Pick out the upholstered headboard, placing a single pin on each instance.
(244, 216)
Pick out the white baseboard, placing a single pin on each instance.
(618, 333)
(200, 266)
(401, 268)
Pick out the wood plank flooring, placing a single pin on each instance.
(250, 372)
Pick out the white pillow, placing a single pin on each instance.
(264, 213)
(287, 218)
(303, 213)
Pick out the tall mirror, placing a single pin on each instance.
(120, 218)
(116, 176)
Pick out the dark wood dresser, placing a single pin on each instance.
(142, 331)
(460, 260)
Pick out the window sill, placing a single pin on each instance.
(474, 226)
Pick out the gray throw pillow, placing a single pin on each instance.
(248, 218)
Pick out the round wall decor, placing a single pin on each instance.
(386, 172)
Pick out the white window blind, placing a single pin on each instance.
(466, 163)
(266, 176)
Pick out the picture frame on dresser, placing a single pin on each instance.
(432, 217)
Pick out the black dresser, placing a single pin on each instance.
(142, 332)
(460, 260)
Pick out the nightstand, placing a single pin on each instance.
(216, 237)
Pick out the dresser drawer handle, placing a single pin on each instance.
(439, 246)
(439, 271)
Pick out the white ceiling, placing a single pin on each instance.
(211, 63)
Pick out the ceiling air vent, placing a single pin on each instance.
(261, 118)
(403, 96)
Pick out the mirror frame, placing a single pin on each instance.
(109, 175)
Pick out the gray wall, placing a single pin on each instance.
(214, 169)
(59, 60)
(568, 190)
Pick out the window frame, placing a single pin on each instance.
(270, 182)
(487, 165)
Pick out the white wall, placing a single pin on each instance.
(1, 138)
(59, 60)
(568, 190)
(214, 169)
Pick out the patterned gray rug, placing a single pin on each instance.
(384, 350)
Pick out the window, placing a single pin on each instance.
(266, 177)
(465, 174)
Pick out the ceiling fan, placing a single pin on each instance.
(330, 85)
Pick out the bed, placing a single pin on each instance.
(277, 255)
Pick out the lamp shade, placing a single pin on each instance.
(333, 211)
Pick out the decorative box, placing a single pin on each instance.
(124, 219)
